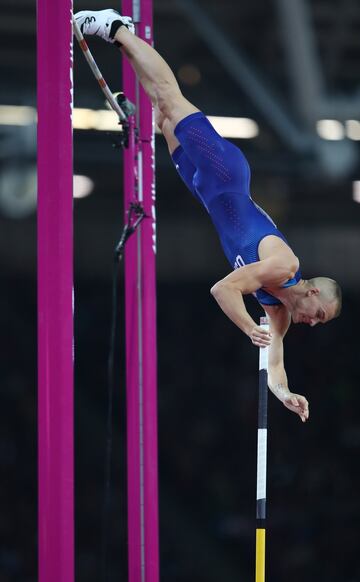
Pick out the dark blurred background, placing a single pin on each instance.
(292, 66)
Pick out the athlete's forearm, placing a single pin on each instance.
(278, 383)
(232, 303)
(277, 378)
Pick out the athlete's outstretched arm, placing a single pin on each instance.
(277, 381)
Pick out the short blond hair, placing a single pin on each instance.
(330, 291)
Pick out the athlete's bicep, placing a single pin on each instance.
(273, 271)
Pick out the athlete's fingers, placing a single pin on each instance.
(306, 412)
(261, 331)
(260, 337)
(261, 343)
(263, 339)
(303, 403)
(301, 408)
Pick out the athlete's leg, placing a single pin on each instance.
(167, 130)
(208, 164)
(153, 72)
(182, 163)
(220, 165)
(202, 149)
(157, 79)
(162, 88)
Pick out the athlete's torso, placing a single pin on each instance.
(218, 174)
(241, 225)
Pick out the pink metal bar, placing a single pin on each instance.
(55, 288)
(141, 359)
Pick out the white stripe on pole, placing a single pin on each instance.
(264, 352)
(261, 464)
(264, 356)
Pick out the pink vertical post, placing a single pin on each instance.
(55, 288)
(141, 355)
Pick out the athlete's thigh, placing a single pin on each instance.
(221, 166)
(186, 170)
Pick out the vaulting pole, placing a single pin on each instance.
(141, 356)
(261, 460)
(55, 292)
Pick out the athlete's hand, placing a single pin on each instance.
(260, 337)
(298, 404)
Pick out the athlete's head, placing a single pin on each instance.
(320, 302)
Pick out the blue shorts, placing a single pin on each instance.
(209, 164)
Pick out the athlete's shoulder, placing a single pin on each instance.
(276, 246)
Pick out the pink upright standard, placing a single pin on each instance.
(55, 288)
(141, 357)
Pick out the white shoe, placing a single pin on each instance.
(103, 23)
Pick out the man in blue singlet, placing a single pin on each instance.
(218, 175)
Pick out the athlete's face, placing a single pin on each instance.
(311, 309)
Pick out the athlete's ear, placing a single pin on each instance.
(312, 291)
